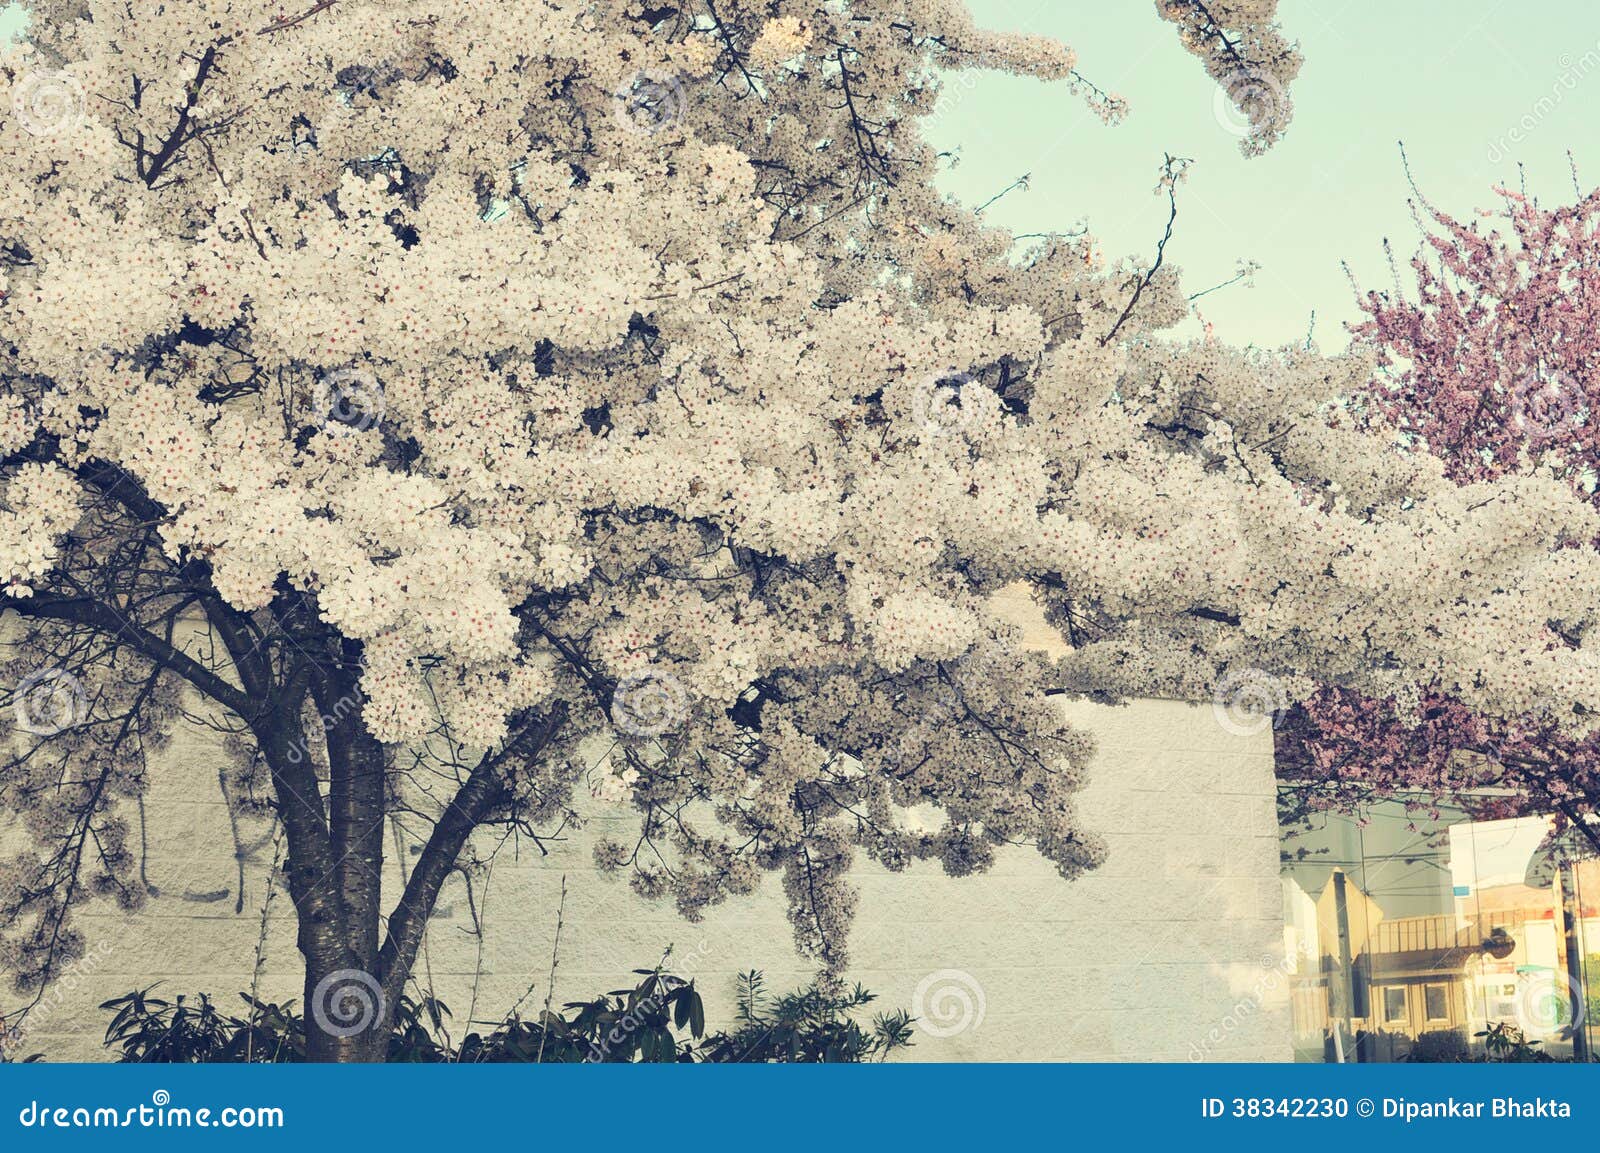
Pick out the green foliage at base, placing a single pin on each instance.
(661, 1018)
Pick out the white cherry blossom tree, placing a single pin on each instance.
(430, 392)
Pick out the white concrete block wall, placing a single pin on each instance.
(1168, 953)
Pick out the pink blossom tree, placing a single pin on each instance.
(1492, 366)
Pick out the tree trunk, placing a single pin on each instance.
(355, 815)
(347, 1019)
(347, 1015)
(332, 863)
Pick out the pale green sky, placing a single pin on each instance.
(1451, 80)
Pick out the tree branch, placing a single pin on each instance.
(91, 613)
(483, 790)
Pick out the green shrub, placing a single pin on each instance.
(1503, 1041)
(1440, 1046)
(660, 1019)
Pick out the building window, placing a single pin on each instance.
(1394, 1004)
(1436, 1002)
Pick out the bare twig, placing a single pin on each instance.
(261, 940)
(1171, 170)
(1020, 182)
(555, 959)
(1247, 269)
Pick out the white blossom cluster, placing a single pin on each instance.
(1246, 54)
(40, 504)
(400, 311)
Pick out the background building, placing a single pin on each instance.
(1410, 935)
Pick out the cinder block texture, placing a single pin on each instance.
(1170, 952)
